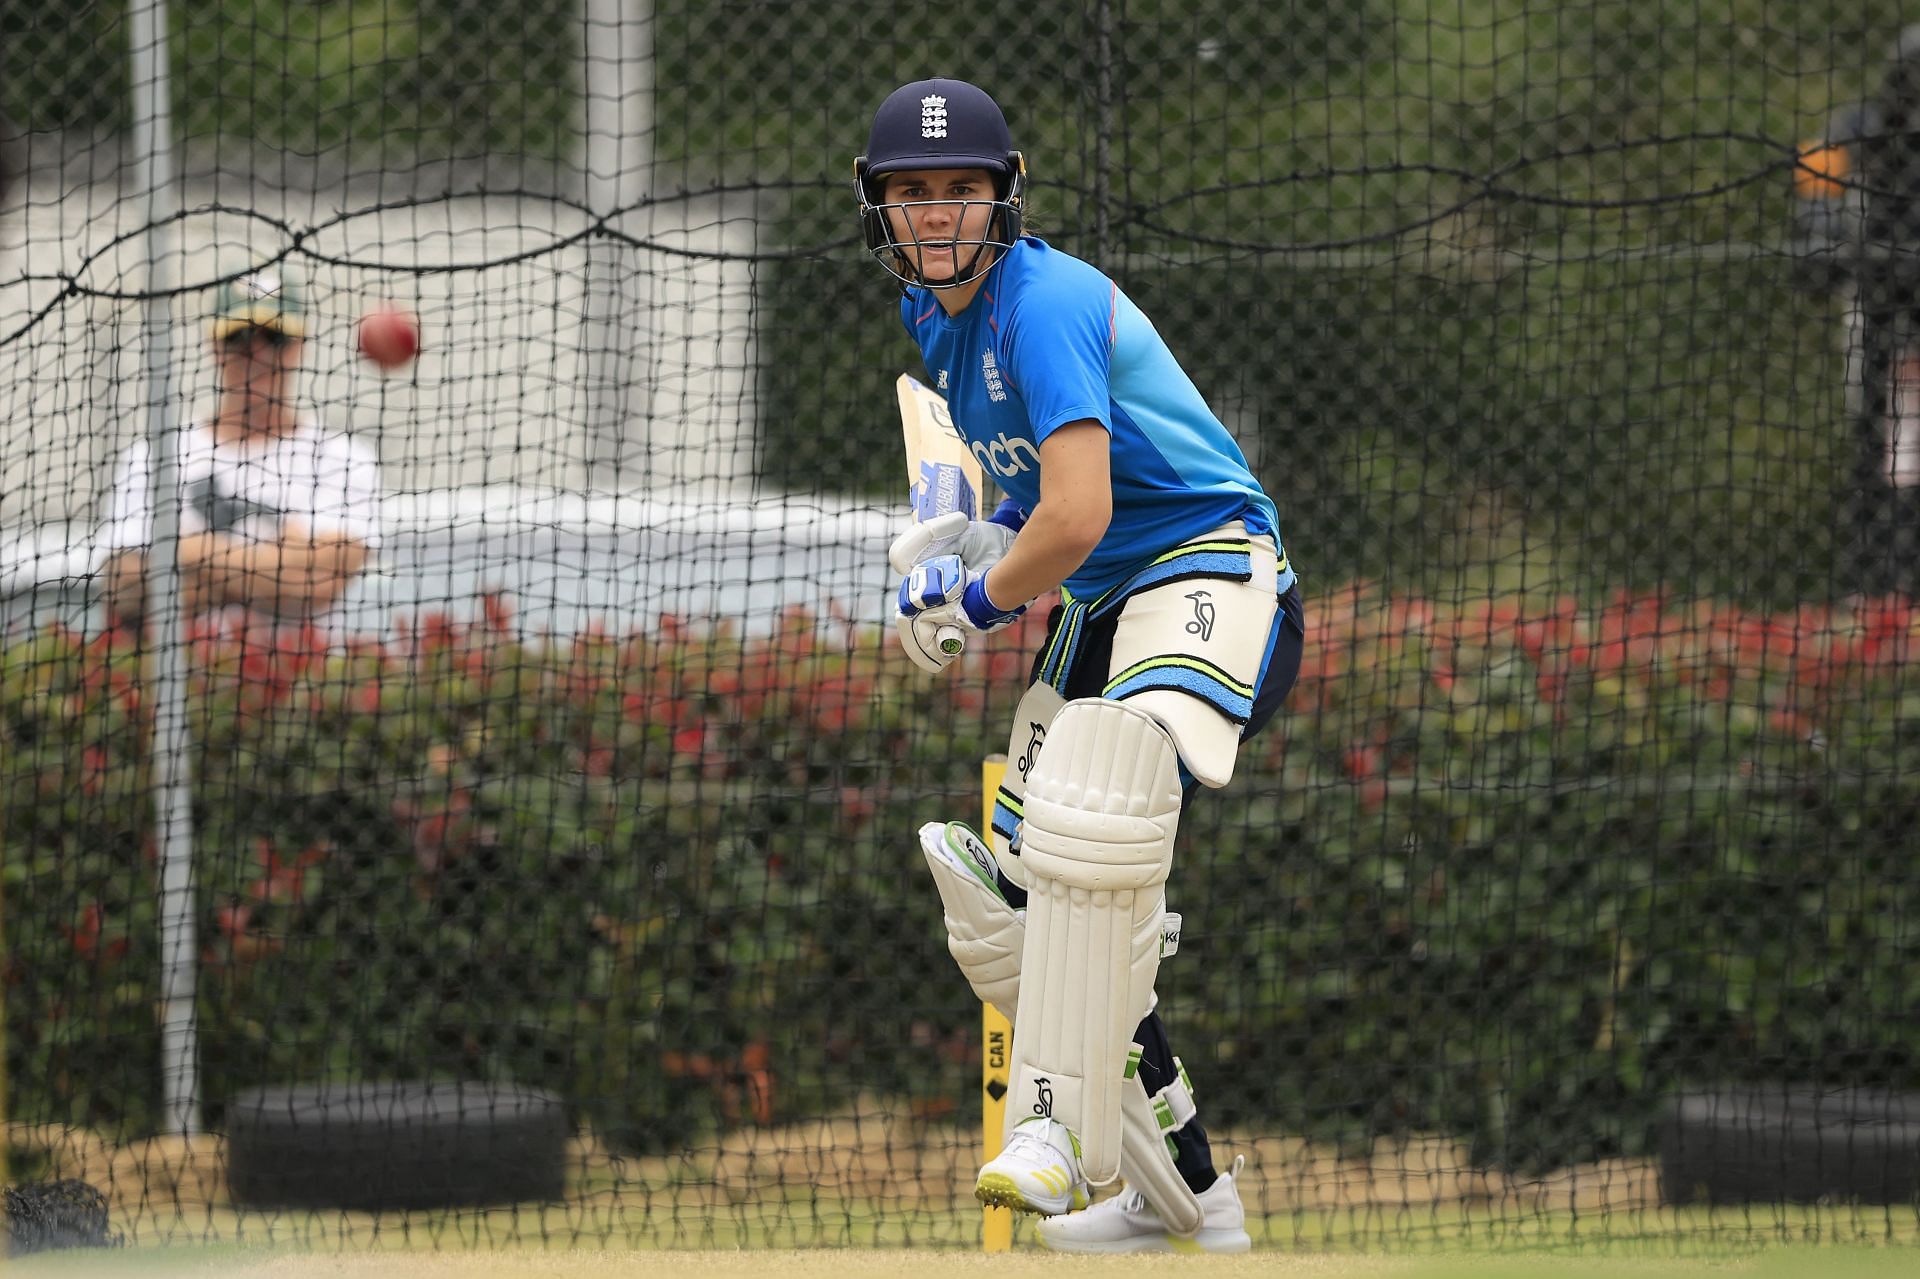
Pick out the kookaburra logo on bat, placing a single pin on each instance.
(1202, 623)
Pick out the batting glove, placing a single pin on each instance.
(980, 544)
(943, 595)
(947, 579)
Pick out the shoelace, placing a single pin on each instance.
(1033, 1138)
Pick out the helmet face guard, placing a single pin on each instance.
(888, 232)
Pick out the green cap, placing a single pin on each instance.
(269, 298)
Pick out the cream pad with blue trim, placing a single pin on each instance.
(1188, 646)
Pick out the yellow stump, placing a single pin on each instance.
(996, 1041)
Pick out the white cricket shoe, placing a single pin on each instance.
(1039, 1171)
(1128, 1223)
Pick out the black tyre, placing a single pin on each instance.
(1791, 1145)
(382, 1146)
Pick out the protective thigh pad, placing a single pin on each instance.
(1188, 653)
(984, 933)
(1102, 805)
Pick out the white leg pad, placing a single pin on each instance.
(984, 933)
(1102, 805)
(985, 937)
(1150, 1123)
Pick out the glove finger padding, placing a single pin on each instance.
(925, 540)
(920, 637)
(980, 544)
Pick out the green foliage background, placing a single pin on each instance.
(385, 78)
(1510, 875)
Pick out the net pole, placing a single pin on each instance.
(617, 74)
(996, 1039)
(154, 174)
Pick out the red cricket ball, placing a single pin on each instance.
(389, 336)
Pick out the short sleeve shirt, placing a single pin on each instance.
(328, 482)
(1049, 340)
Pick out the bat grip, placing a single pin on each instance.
(951, 640)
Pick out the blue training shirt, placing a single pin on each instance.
(1050, 340)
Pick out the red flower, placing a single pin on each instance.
(86, 935)
(1007, 666)
(857, 808)
(437, 632)
(282, 879)
(430, 850)
(233, 920)
(1790, 722)
(493, 605)
(94, 763)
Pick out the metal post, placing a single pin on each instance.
(1102, 134)
(616, 58)
(172, 769)
(996, 1044)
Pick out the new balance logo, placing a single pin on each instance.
(1003, 456)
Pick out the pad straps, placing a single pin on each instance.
(1173, 1105)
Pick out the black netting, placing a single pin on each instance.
(1571, 895)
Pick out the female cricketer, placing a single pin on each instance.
(1178, 633)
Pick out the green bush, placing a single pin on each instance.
(1507, 871)
(389, 77)
(597, 866)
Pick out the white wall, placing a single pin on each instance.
(499, 395)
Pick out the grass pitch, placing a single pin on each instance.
(853, 1198)
(1651, 1261)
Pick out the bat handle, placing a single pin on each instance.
(951, 640)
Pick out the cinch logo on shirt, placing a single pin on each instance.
(1003, 456)
(940, 383)
(996, 390)
(933, 116)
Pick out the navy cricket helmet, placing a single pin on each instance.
(939, 124)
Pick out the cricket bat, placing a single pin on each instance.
(942, 475)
